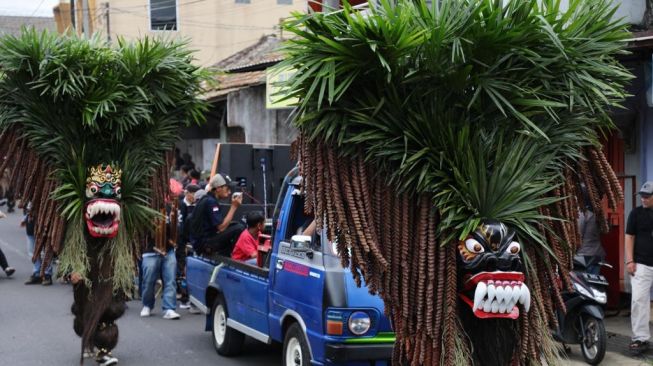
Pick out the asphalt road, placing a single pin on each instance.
(36, 324)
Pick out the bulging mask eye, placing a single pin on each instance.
(513, 248)
(91, 190)
(473, 246)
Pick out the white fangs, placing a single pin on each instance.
(103, 231)
(525, 298)
(491, 291)
(481, 291)
(501, 297)
(103, 208)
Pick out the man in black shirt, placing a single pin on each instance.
(639, 263)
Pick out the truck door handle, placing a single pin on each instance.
(233, 278)
(279, 264)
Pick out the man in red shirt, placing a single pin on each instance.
(246, 248)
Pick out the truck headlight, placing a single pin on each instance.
(359, 322)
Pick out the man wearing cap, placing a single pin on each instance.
(639, 263)
(211, 228)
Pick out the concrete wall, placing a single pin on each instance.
(632, 10)
(216, 28)
(246, 109)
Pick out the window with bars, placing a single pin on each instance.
(163, 15)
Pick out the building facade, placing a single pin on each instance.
(214, 28)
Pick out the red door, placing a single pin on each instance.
(613, 241)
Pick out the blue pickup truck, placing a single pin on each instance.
(300, 296)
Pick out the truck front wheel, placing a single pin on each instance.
(227, 341)
(295, 348)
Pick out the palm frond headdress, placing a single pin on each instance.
(86, 130)
(440, 142)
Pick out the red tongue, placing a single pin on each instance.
(498, 277)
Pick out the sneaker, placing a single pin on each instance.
(47, 281)
(146, 311)
(9, 271)
(88, 353)
(170, 314)
(106, 359)
(184, 305)
(34, 280)
(194, 310)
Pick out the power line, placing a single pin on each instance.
(37, 8)
(159, 7)
(145, 7)
(237, 8)
(209, 25)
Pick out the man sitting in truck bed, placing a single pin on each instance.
(212, 231)
(246, 249)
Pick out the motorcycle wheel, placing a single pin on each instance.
(593, 343)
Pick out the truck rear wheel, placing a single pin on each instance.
(227, 341)
(295, 348)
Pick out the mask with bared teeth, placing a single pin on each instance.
(491, 279)
(102, 208)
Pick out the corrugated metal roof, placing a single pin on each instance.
(263, 52)
(228, 83)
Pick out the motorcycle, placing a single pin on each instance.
(583, 322)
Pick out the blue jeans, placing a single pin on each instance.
(154, 267)
(36, 269)
(30, 245)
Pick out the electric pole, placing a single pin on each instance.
(106, 14)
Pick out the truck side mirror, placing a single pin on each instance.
(302, 243)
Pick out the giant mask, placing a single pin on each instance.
(491, 277)
(102, 208)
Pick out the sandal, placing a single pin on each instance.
(638, 346)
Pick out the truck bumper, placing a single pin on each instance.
(339, 352)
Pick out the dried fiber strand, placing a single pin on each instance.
(451, 301)
(13, 140)
(17, 176)
(595, 199)
(602, 175)
(615, 186)
(421, 259)
(431, 274)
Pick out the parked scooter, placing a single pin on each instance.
(583, 322)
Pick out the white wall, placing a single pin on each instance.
(216, 29)
(631, 10)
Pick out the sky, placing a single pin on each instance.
(37, 8)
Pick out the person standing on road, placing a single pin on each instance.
(590, 247)
(160, 263)
(3, 260)
(186, 206)
(35, 279)
(639, 263)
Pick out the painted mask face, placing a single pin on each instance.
(102, 209)
(490, 268)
